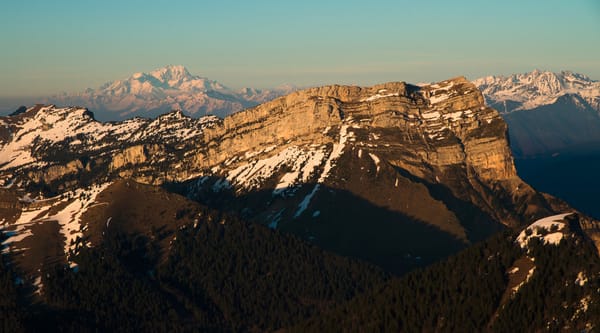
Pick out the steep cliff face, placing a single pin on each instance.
(376, 172)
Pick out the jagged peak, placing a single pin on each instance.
(173, 114)
(53, 114)
(537, 88)
(172, 73)
(534, 77)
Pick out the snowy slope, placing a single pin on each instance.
(45, 130)
(531, 90)
(548, 229)
(162, 90)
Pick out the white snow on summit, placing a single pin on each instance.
(75, 128)
(162, 90)
(531, 90)
(548, 229)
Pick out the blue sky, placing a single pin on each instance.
(53, 46)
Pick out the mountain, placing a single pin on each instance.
(164, 223)
(554, 130)
(363, 172)
(543, 279)
(165, 89)
(144, 265)
(546, 112)
(570, 176)
(538, 88)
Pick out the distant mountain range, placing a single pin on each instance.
(538, 88)
(546, 112)
(563, 109)
(165, 89)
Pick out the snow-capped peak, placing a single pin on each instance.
(172, 72)
(163, 89)
(530, 90)
(169, 77)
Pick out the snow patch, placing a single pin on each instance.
(378, 96)
(441, 93)
(581, 279)
(376, 160)
(276, 219)
(300, 164)
(304, 203)
(551, 225)
(431, 115)
(336, 152)
(68, 217)
(453, 116)
(516, 288)
(37, 283)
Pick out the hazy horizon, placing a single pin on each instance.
(68, 46)
(9, 104)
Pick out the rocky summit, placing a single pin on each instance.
(396, 174)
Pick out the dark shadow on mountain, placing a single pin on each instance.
(504, 106)
(21, 109)
(570, 175)
(568, 123)
(478, 224)
(411, 89)
(335, 220)
(222, 275)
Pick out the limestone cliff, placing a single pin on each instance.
(325, 163)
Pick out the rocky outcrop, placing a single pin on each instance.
(446, 124)
(132, 156)
(56, 172)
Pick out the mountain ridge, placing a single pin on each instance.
(176, 211)
(537, 88)
(164, 89)
(290, 162)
